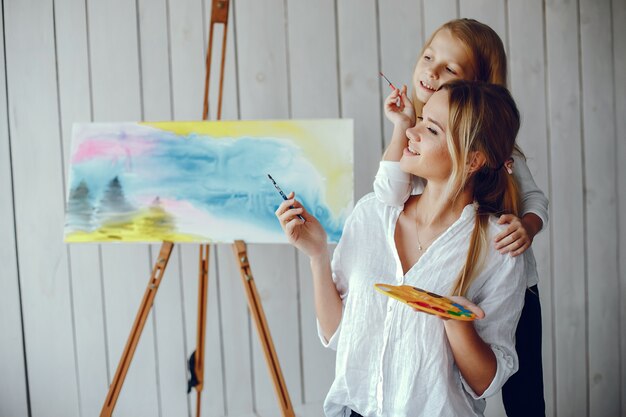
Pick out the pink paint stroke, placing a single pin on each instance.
(111, 149)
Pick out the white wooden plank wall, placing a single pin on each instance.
(618, 10)
(65, 311)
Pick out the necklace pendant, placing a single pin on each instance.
(419, 247)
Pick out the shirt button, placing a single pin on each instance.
(389, 308)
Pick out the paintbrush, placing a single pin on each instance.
(282, 194)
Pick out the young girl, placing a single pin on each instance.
(467, 49)
(391, 360)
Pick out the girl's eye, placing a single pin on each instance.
(427, 57)
(420, 118)
(451, 71)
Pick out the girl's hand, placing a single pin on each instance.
(515, 239)
(399, 109)
(309, 236)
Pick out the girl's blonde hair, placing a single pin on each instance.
(484, 48)
(483, 118)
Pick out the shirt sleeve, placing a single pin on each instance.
(393, 186)
(501, 297)
(341, 283)
(533, 199)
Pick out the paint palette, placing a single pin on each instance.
(426, 301)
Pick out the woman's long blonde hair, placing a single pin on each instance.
(483, 118)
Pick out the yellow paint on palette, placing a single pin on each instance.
(318, 139)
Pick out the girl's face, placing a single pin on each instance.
(427, 154)
(445, 59)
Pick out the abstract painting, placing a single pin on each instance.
(205, 181)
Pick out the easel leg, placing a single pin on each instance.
(135, 332)
(203, 284)
(254, 303)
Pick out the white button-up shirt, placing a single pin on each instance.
(394, 186)
(394, 361)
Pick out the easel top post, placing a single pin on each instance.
(219, 11)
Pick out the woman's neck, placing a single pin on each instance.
(435, 208)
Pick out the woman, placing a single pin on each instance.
(391, 360)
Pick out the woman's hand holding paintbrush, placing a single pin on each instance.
(308, 235)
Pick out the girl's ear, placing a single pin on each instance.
(476, 161)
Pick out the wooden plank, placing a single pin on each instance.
(189, 40)
(170, 339)
(13, 396)
(361, 97)
(489, 12)
(168, 308)
(313, 59)
(619, 72)
(264, 93)
(236, 336)
(566, 176)
(154, 45)
(313, 68)
(86, 279)
(37, 177)
(527, 83)
(212, 401)
(116, 96)
(230, 103)
(274, 272)
(600, 207)
(401, 41)
(228, 321)
(436, 13)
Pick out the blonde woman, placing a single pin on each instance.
(392, 360)
(470, 50)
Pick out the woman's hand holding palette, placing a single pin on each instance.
(426, 301)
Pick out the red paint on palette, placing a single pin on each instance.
(426, 301)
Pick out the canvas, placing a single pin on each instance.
(205, 181)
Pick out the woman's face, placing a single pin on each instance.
(445, 59)
(427, 154)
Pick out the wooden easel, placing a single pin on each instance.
(219, 15)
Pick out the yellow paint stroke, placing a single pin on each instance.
(149, 225)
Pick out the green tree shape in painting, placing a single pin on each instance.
(80, 209)
(115, 214)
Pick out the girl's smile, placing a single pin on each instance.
(445, 59)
